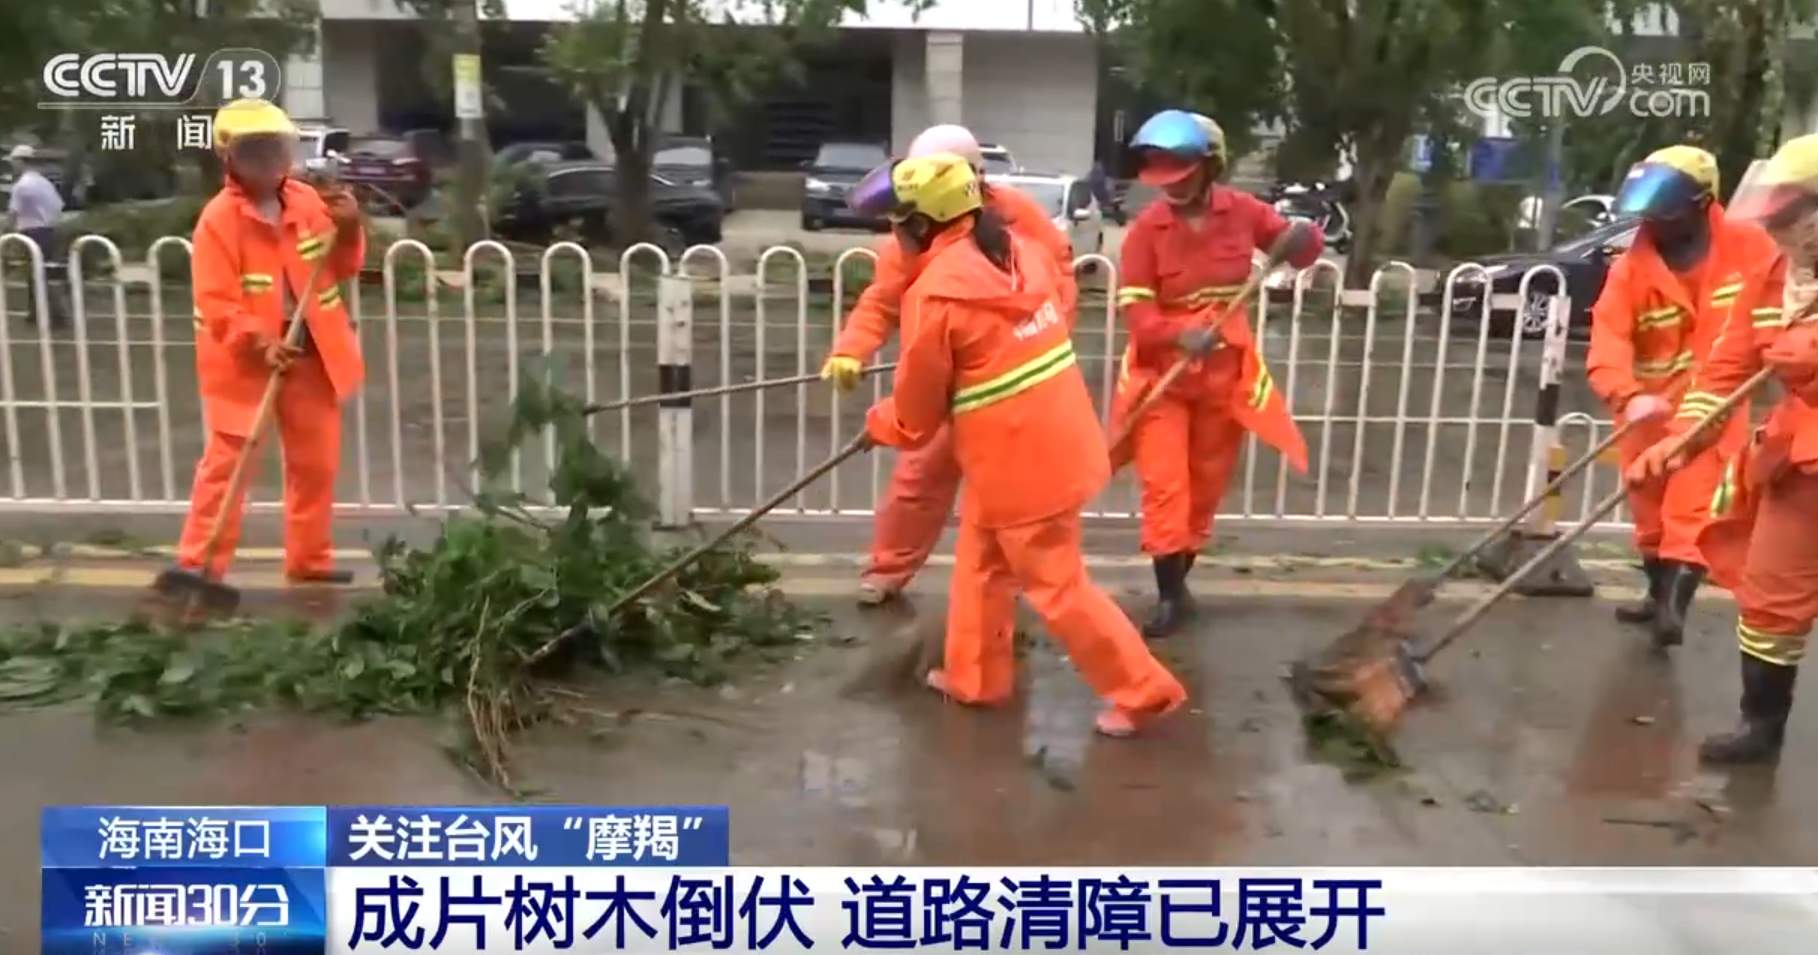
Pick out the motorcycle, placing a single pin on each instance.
(1318, 203)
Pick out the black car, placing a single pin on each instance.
(1585, 261)
(832, 173)
(691, 161)
(583, 194)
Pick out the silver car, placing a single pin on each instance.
(1069, 203)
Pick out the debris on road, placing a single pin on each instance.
(1482, 800)
(1643, 720)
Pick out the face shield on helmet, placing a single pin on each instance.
(1170, 147)
(1658, 192)
(941, 187)
(257, 139)
(1781, 196)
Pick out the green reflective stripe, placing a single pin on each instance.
(1725, 294)
(1211, 293)
(1783, 649)
(256, 282)
(311, 247)
(1698, 404)
(1725, 495)
(1131, 294)
(329, 297)
(1768, 317)
(1015, 381)
(1659, 318)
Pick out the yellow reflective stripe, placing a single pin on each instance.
(1725, 294)
(1768, 317)
(1725, 495)
(1130, 294)
(256, 282)
(1210, 294)
(1697, 404)
(1783, 649)
(311, 247)
(1665, 367)
(1659, 318)
(1264, 387)
(1015, 381)
(329, 297)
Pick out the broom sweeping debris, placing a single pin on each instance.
(1367, 677)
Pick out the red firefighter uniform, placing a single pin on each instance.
(991, 353)
(1763, 542)
(925, 481)
(1176, 275)
(245, 272)
(1651, 330)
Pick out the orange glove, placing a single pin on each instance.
(343, 208)
(1659, 460)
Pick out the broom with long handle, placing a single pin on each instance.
(723, 390)
(1375, 671)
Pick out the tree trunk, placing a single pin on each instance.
(466, 213)
(1371, 176)
(630, 127)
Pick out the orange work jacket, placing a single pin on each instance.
(991, 352)
(877, 312)
(1650, 332)
(1174, 276)
(240, 269)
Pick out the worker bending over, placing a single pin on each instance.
(925, 481)
(1662, 307)
(1774, 324)
(987, 356)
(1184, 260)
(256, 247)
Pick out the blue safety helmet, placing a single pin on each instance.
(1174, 131)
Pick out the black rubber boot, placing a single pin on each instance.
(1173, 603)
(1679, 584)
(1642, 611)
(1767, 698)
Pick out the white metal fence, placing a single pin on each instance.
(1417, 407)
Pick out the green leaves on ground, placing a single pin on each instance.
(457, 619)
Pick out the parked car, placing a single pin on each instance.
(319, 142)
(386, 171)
(584, 194)
(1585, 262)
(1068, 202)
(542, 151)
(692, 161)
(834, 170)
(998, 161)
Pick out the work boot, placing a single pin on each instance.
(1767, 697)
(1642, 611)
(320, 576)
(1679, 583)
(1173, 603)
(871, 593)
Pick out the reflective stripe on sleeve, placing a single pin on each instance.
(1131, 294)
(256, 282)
(1665, 367)
(1666, 317)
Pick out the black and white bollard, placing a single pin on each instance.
(675, 416)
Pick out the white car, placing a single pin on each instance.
(316, 143)
(998, 161)
(1068, 202)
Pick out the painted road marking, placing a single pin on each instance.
(793, 584)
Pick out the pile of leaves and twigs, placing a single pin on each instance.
(459, 620)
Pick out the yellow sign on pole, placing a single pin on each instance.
(468, 101)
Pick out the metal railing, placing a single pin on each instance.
(1395, 387)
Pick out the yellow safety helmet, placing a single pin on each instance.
(942, 187)
(1780, 191)
(250, 117)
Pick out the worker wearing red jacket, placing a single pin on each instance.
(1774, 324)
(987, 357)
(256, 246)
(925, 481)
(1665, 302)
(1183, 260)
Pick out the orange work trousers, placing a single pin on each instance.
(1043, 561)
(1669, 514)
(1778, 595)
(309, 433)
(923, 486)
(1186, 449)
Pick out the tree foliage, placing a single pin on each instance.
(628, 58)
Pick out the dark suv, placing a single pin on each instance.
(832, 173)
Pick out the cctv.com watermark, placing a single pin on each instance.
(1592, 81)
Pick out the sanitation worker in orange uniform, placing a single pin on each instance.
(925, 482)
(1664, 304)
(1184, 258)
(988, 357)
(1773, 487)
(256, 245)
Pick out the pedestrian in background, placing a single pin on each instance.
(34, 208)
